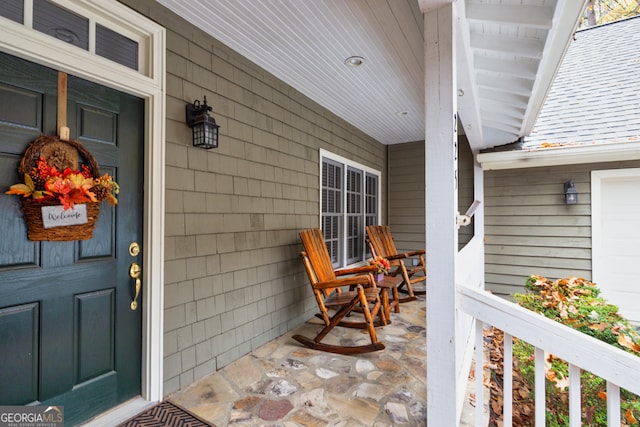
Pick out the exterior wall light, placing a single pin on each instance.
(570, 193)
(203, 126)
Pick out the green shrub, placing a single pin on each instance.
(576, 303)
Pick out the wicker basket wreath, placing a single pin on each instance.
(50, 169)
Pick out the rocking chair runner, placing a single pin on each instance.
(364, 296)
(381, 244)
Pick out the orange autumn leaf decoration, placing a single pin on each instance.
(70, 187)
(28, 189)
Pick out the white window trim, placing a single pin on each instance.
(325, 154)
(149, 84)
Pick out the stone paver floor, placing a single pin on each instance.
(285, 384)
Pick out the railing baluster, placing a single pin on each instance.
(540, 402)
(622, 369)
(508, 379)
(613, 405)
(575, 409)
(479, 413)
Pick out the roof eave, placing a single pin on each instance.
(566, 19)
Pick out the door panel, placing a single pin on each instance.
(616, 232)
(94, 345)
(17, 252)
(67, 334)
(21, 106)
(19, 331)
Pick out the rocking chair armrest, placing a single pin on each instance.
(415, 253)
(396, 257)
(365, 269)
(345, 281)
(406, 255)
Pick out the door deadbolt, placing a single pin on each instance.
(134, 248)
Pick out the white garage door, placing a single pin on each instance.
(615, 202)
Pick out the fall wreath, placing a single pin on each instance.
(52, 178)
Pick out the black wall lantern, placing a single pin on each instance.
(203, 126)
(570, 193)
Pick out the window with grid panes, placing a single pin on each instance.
(70, 27)
(332, 207)
(350, 200)
(355, 219)
(371, 204)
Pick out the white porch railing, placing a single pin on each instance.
(619, 368)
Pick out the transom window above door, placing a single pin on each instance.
(350, 200)
(78, 27)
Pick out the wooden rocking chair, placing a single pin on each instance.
(362, 298)
(381, 244)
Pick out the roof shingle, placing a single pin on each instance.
(595, 97)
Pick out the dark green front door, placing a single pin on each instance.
(67, 333)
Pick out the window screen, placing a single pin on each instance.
(12, 9)
(116, 47)
(371, 204)
(60, 23)
(332, 208)
(355, 229)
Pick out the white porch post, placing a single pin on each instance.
(441, 154)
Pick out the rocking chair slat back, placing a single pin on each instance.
(319, 258)
(381, 244)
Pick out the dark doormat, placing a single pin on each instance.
(166, 414)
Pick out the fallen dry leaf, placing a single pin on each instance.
(551, 375)
(563, 311)
(624, 341)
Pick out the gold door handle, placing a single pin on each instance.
(134, 273)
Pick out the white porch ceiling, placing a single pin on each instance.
(508, 53)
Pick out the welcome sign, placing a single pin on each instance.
(57, 216)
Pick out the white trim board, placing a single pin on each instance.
(568, 155)
(149, 84)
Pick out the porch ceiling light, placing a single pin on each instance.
(570, 193)
(354, 61)
(203, 126)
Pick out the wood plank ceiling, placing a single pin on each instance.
(508, 53)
